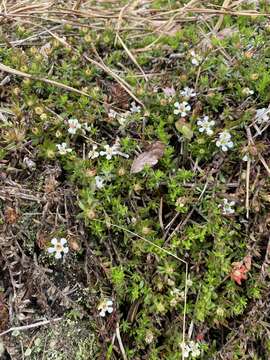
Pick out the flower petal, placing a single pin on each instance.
(63, 241)
(102, 313)
(58, 255)
(54, 241)
(65, 250)
(51, 250)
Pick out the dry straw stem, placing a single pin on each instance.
(30, 326)
(9, 70)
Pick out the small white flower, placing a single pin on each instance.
(63, 149)
(262, 115)
(224, 141)
(112, 114)
(123, 118)
(93, 154)
(188, 92)
(195, 58)
(105, 306)
(169, 91)
(206, 125)
(189, 283)
(246, 91)
(73, 126)
(99, 182)
(227, 207)
(181, 108)
(194, 348)
(110, 151)
(185, 350)
(59, 247)
(135, 108)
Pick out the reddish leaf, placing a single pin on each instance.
(240, 269)
(149, 157)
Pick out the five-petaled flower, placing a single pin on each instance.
(169, 91)
(59, 247)
(206, 125)
(188, 92)
(224, 141)
(227, 207)
(110, 151)
(135, 108)
(262, 115)
(181, 108)
(93, 154)
(63, 149)
(99, 182)
(73, 126)
(191, 348)
(105, 306)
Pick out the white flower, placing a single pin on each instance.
(93, 154)
(63, 149)
(110, 151)
(206, 125)
(73, 126)
(191, 348)
(224, 141)
(246, 91)
(169, 92)
(135, 108)
(189, 283)
(194, 348)
(59, 247)
(188, 92)
(112, 114)
(99, 182)
(122, 118)
(105, 306)
(185, 350)
(227, 207)
(195, 58)
(262, 115)
(181, 108)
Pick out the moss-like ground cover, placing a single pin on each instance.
(167, 261)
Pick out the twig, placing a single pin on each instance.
(9, 70)
(131, 56)
(221, 18)
(30, 326)
(117, 331)
(160, 214)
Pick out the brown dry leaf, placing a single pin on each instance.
(11, 215)
(149, 157)
(247, 261)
